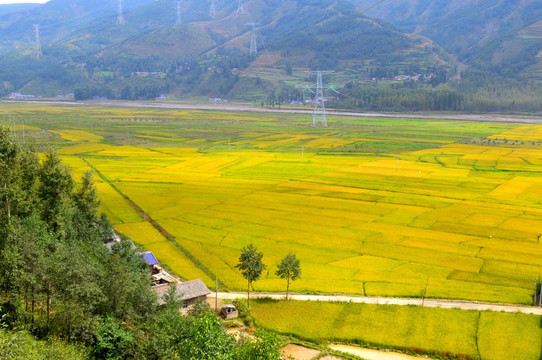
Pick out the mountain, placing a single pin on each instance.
(457, 24)
(57, 19)
(492, 34)
(205, 55)
(518, 54)
(8, 8)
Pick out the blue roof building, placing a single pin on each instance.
(149, 258)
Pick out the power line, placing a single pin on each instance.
(37, 41)
(212, 10)
(253, 43)
(179, 19)
(120, 17)
(319, 112)
(240, 7)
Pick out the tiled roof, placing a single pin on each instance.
(185, 291)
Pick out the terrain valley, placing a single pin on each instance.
(351, 179)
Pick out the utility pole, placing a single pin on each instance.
(216, 295)
(253, 43)
(179, 20)
(37, 41)
(120, 17)
(535, 291)
(319, 112)
(212, 11)
(240, 7)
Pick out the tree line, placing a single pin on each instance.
(251, 266)
(467, 95)
(60, 284)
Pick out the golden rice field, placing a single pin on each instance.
(370, 206)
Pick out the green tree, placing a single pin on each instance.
(111, 340)
(205, 338)
(289, 269)
(19, 168)
(251, 266)
(86, 199)
(56, 185)
(265, 346)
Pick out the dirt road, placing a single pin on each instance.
(301, 110)
(433, 303)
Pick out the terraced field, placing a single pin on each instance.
(370, 206)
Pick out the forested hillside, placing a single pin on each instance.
(502, 36)
(486, 52)
(59, 281)
(207, 55)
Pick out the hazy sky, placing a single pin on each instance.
(21, 1)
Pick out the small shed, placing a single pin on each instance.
(229, 312)
(189, 292)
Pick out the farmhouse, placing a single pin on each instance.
(159, 276)
(189, 292)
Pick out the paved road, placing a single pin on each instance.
(250, 108)
(433, 303)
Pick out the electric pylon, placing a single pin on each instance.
(120, 17)
(179, 19)
(212, 10)
(240, 7)
(37, 40)
(319, 112)
(253, 43)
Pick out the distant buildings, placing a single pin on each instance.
(217, 100)
(19, 96)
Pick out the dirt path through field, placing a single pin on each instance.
(372, 354)
(300, 352)
(433, 303)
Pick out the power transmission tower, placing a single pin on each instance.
(212, 11)
(37, 40)
(179, 20)
(319, 112)
(253, 43)
(240, 7)
(120, 17)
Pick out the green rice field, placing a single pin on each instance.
(439, 332)
(369, 206)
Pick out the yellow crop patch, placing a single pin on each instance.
(78, 136)
(374, 206)
(142, 233)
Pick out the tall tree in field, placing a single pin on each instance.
(251, 266)
(289, 269)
